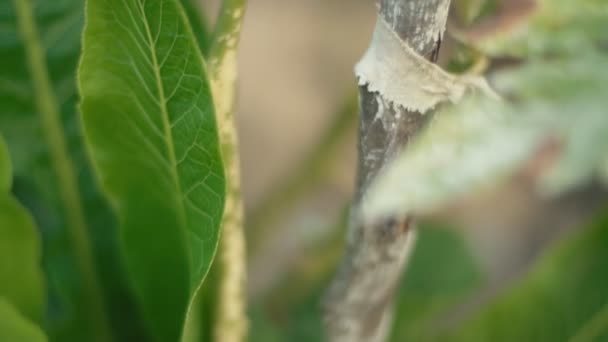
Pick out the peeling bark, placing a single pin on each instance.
(358, 304)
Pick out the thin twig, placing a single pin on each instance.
(358, 304)
(231, 321)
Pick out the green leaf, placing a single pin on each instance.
(149, 121)
(58, 25)
(198, 23)
(16, 328)
(21, 279)
(562, 297)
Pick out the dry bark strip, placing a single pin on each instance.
(358, 305)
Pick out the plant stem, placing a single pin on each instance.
(62, 165)
(358, 304)
(231, 321)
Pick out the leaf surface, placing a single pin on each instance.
(149, 121)
(54, 32)
(15, 327)
(21, 279)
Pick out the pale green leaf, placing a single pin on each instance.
(556, 26)
(149, 121)
(16, 328)
(21, 279)
(463, 149)
(571, 91)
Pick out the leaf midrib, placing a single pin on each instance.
(168, 135)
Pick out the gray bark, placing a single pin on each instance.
(358, 304)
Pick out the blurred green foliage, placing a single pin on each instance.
(554, 27)
(14, 327)
(563, 297)
(59, 24)
(22, 286)
(441, 273)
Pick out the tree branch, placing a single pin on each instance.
(358, 304)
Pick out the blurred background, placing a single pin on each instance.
(297, 119)
(297, 91)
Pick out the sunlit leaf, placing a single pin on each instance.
(149, 121)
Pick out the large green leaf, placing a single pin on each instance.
(21, 279)
(149, 120)
(58, 25)
(563, 297)
(16, 328)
